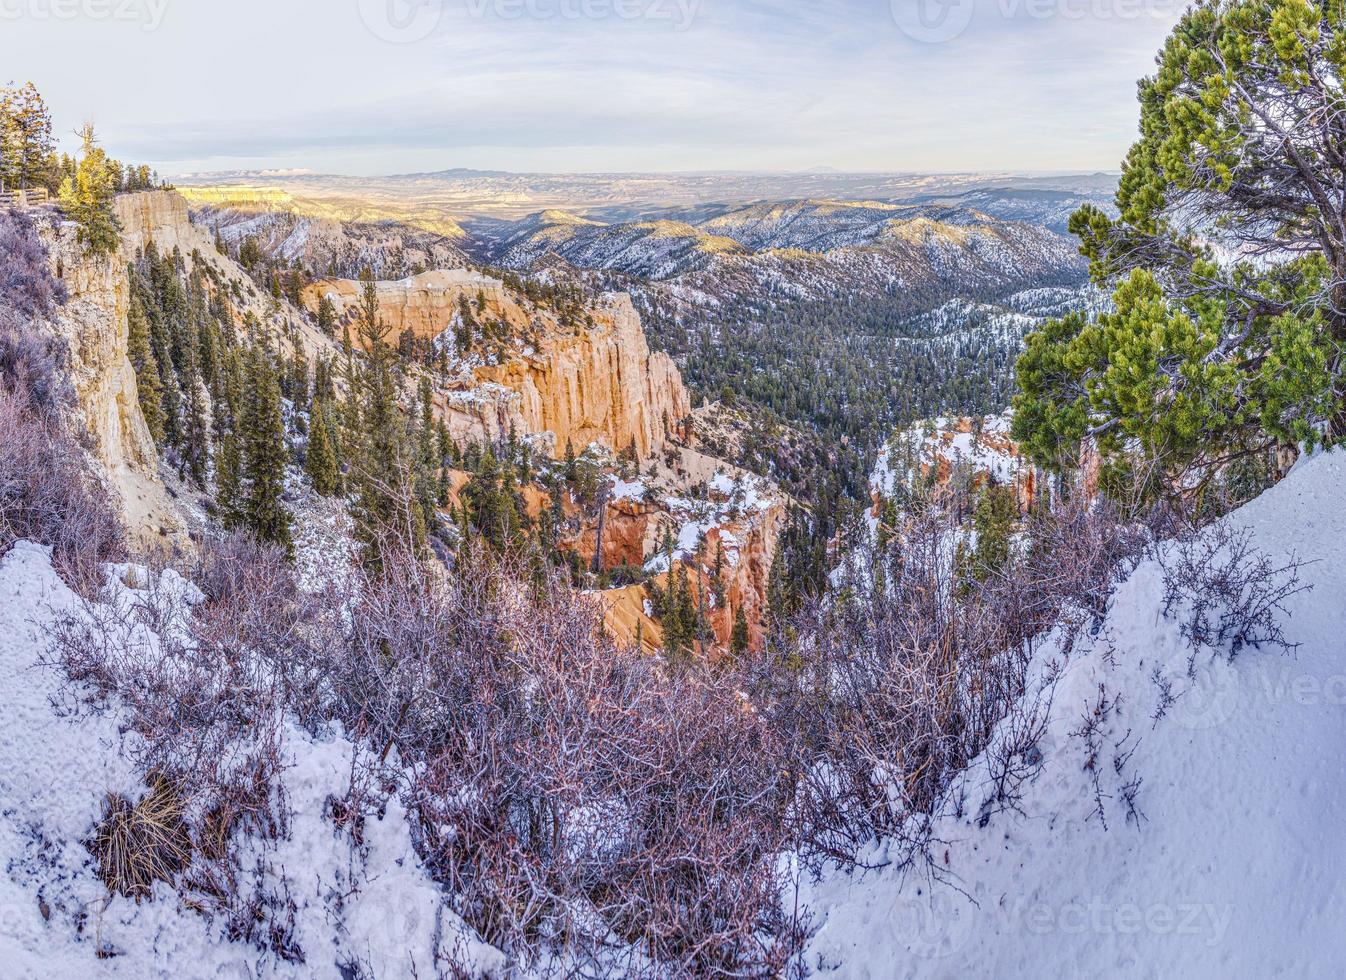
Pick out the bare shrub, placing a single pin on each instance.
(888, 691)
(1225, 592)
(197, 679)
(589, 812)
(48, 496)
(137, 844)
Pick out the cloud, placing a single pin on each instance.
(745, 84)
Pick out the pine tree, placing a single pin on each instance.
(195, 449)
(445, 451)
(229, 482)
(994, 522)
(321, 462)
(427, 460)
(87, 199)
(511, 523)
(738, 639)
(264, 455)
(149, 390)
(26, 147)
(327, 316)
(382, 461)
(1238, 160)
(490, 498)
(294, 288)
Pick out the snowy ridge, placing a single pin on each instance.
(1232, 865)
(938, 448)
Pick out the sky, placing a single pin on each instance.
(395, 86)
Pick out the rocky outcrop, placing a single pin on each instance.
(160, 217)
(601, 384)
(631, 532)
(724, 527)
(93, 322)
(749, 546)
(595, 383)
(425, 304)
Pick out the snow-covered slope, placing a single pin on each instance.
(1235, 864)
(803, 249)
(368, 911)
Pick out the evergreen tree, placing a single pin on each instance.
(229, 482)
(321, 463)
(149, 390)
(294, 286)
(445, 450)
(427, 459)
(382, 462)
(195, 448)
(264, 455)
(739, 639)
(26, 147)
(327, 317)
(1239, 155)
(490, 497)
(994, 520)
(87, 197)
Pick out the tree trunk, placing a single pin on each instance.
(598, 537)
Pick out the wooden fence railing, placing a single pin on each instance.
(31, 198)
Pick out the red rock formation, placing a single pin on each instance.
(597, 383)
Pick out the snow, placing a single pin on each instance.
(933, 441)
(733, 502)
(373, 906)
(624, 490)
(1237, 867)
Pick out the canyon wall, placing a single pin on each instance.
(93, 322)
(595, 383)
(601, 384)
(963, 450)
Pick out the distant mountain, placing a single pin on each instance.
(1049, 207)
(329, 247)
(803, 250)
(464, 194)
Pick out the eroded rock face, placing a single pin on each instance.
(93, 321)
(736, 528)
(425, 304)
(752, 544)
(598, 382)
(601, 384)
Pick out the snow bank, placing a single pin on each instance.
(368, 911)
(1235, 865)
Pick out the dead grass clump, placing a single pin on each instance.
(137, 844)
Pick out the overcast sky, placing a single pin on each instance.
(384, 86)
